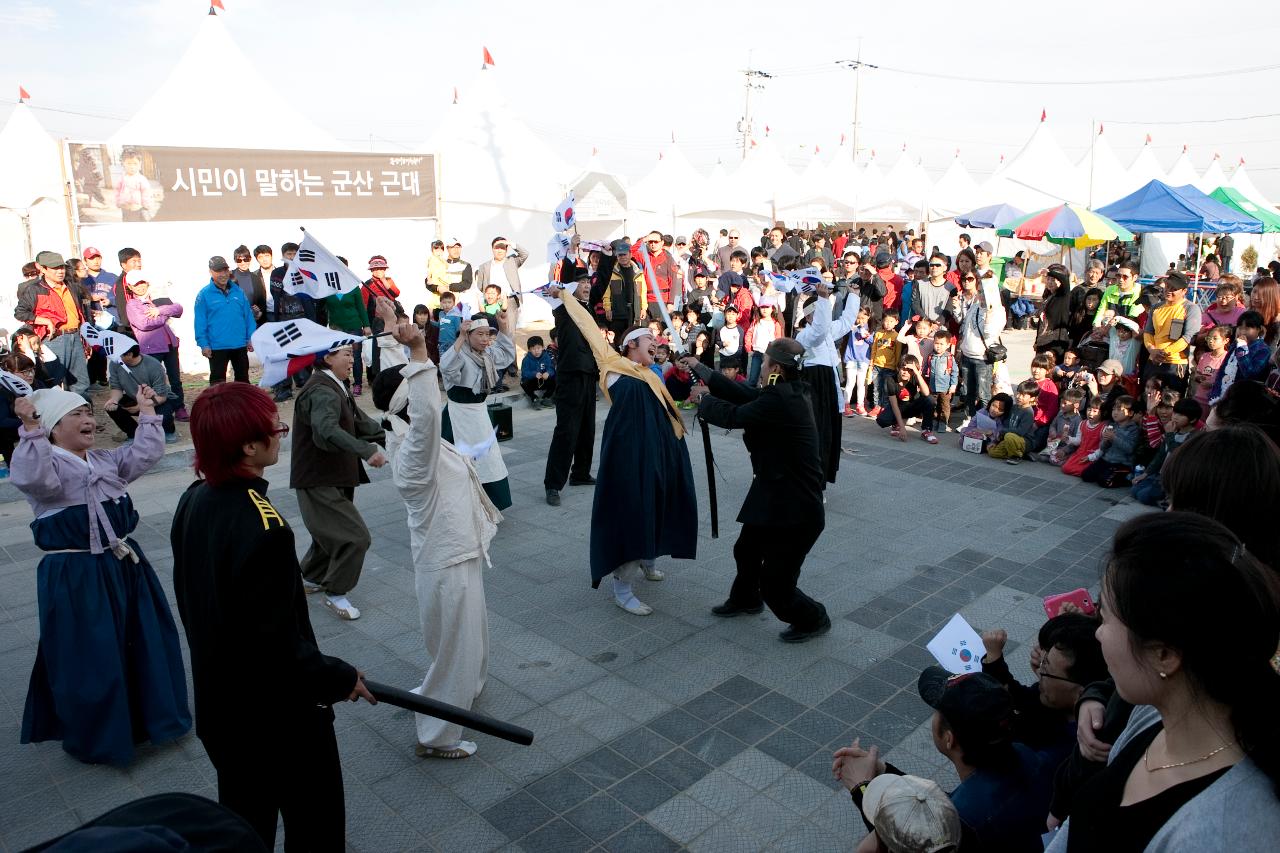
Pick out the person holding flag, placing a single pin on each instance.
(644, 501)
(451, 523)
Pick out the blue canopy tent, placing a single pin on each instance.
(1158, 207)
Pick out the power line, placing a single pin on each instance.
(1192, 120)
(826, 68)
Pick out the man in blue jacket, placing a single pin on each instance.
(224, 324)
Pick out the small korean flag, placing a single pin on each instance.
(557, 248)
(565, 217)
(957, 647)
(14, 384)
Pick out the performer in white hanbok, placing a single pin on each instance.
(451, 523)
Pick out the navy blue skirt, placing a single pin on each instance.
(108, 671)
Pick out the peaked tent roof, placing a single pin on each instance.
(34, 158)
(1212, 178)
(489, 157)
(901, 194)
(1038, 176)
(1236, 200)
(955, 192)
(1100, 176)
(1160, 208)
(672, 185)
(1241, 181)
(812, 197)
(842, 177)
(1182, 172)
(213, 78)
(1145, 168)
(760, 176)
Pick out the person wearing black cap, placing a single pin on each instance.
(573, 441)
(1005, 788)
(782, 515)
(623, 297)
(1168, 333)
(224, 324)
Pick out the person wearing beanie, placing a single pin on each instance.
(380, 284)
(451, 525)
(1054, 332)
(1168, 332)
(331, 435)
(108, 671)
(782, 515)
(471, 369)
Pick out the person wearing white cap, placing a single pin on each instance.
(907, 814)
(451, 524)
(108, 670)
(644, 505)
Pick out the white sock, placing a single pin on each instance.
(622, 591)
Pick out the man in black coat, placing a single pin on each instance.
(573, 441)
(782, 515)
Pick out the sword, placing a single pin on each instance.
(450, 713)
(711, 478)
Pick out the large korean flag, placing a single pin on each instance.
(287, 346)
(114, 345)
(316, 272)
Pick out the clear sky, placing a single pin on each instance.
(623, 77)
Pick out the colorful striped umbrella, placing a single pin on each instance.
(1066, 225)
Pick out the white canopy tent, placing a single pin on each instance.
(33, 213)
(1099, 176)
(1182, 172)
(1241, 181)
(900, 196)
(212, 79)
(1213, 177)
(722, 204)
(1038, 176)
(759, 177)
(956, 192)
(672, 188)
(812, 198)
(600, 199)
(842, 177)
(1267, 246)
(1144, 169)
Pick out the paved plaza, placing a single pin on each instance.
(676, 730)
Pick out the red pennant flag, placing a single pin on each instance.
(455, 94)
(1099, 128)
(1001, 158)
(1184, 148)
(1148, 139)
(594, 151)
(1241, 161)
(1217, 156)
(659, 155)
(842, 139)
(673, 137)
(217, 4)
(23, 94)
(1043, 115)
(957, 152)
(488, 57)
(754, 143)
(873, 153)
(766, 130)
(815, 150)
(904, 148)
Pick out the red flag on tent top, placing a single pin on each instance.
(754, 143)
(673, 137)
(1217, 156)
(216, 4)
(1148, 142)
(957, 152)
(904, 148)
(1184, 148)
(815, 150)
(594, 151)
(1241, 161)
(488, 57)
(842, 139)
(1043, 115)
(23, 94)
(766, 130)
(1100, 126)
(455, 94)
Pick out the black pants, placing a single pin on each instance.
(220, 358)
(298, 777)
(128, 422)
(97, 365)
(173, 370)
(8, 441)
(546, 386)
(921, 407)
(1174, 375)
(573, 442)
(769, 560)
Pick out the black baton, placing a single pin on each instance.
(449, 713)
(711, 479)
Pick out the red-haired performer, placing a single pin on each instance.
(451, 523)
(108, 669)
(262, 687)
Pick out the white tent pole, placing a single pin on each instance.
(1093, 144)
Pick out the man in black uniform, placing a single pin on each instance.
(782, 515)
(573, 441)
(262, 687)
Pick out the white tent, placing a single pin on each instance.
(1182, 172)
(1213, 177)
(1099, 176)
(33, 213)
(1265, 245)
(672, 188)
(900, 195)
(1241, 181)
(600, 199)
(760, 176)
(722, 204)
(812, 198)
(1144, 169)
(842, 177)
(867, 189)
(1038, 176)
(204, 102)
(955, 192)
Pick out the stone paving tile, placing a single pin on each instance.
(675, 730)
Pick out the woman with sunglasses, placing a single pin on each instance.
(263, 689)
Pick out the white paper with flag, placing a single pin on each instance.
(113, 344)
(958, 647)
(317, 272)
(797, 281)
(14, 384)
(565, 218)
(285, 347)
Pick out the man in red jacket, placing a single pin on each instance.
(665, 270)
(892, 281)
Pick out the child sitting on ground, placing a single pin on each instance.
(1146, 485)
(943, 372)
(908, 396)
(1066, 372)
(1249, 361)
(1113, 460)
(989, 423)
(1208, 364)
(1021, 426)
(1087, 438)
(1046, 408)
(538, 374)
(1065, 425)
(885, 353)
(857, 364)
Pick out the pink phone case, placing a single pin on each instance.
(1079, 597)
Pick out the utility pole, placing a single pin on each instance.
(857, 65)
(753, 78)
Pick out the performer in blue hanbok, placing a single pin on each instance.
(108, 671)
(644, 502)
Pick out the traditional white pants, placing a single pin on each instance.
(455, 626)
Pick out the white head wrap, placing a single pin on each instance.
(633, 335)
(52, 404)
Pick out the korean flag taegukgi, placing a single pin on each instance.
(114, 345)
(287, 346)
(317, 272)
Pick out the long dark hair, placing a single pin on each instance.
(1232, 475)
(1185, 581)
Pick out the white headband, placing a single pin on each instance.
(633, 335)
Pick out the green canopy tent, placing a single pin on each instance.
(1270, 219)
